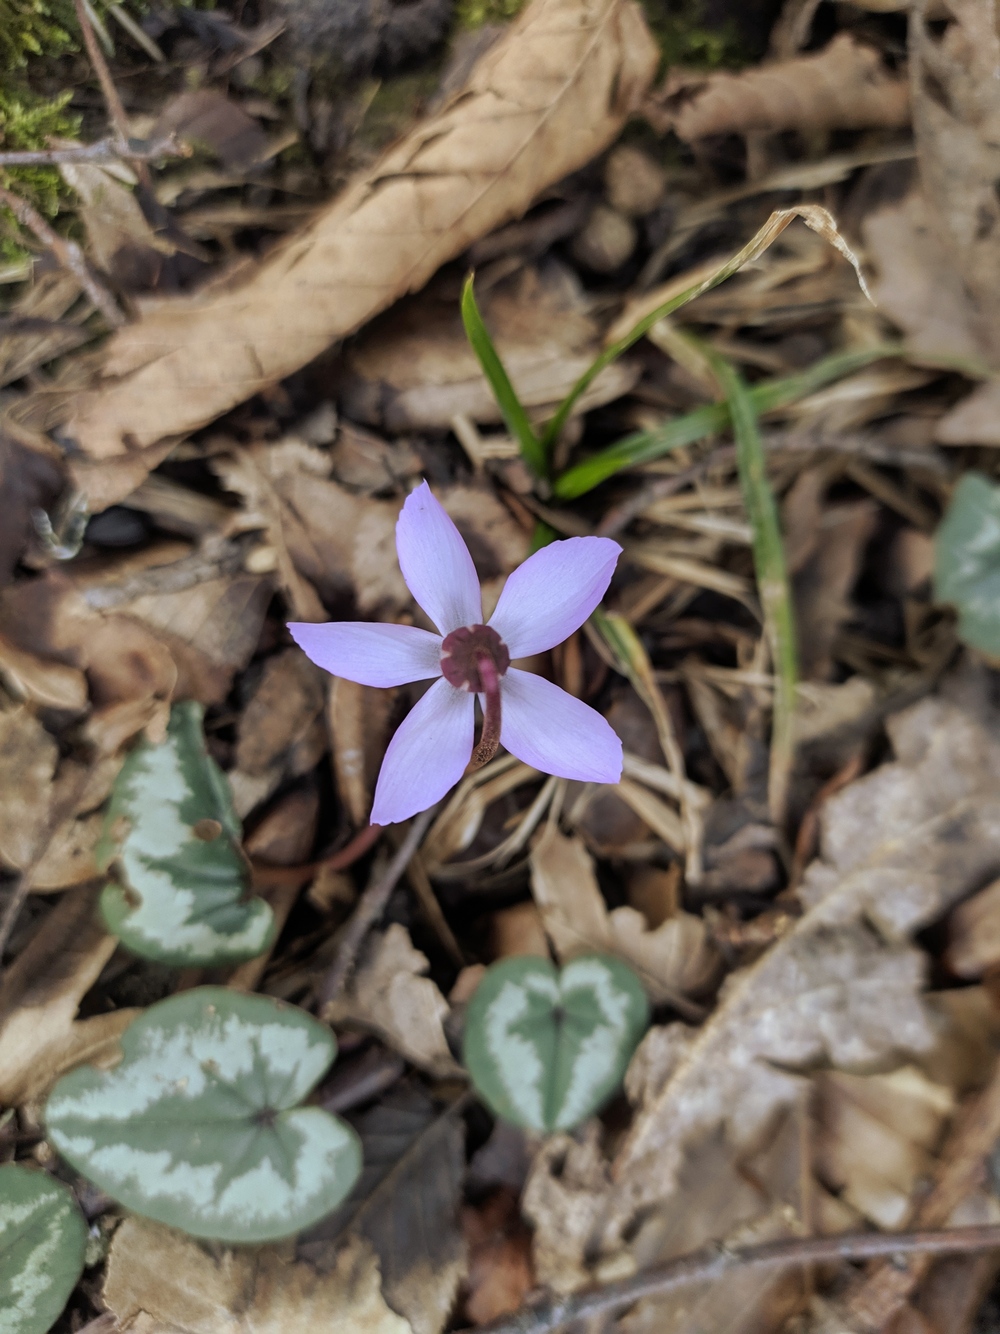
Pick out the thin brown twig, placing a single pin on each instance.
(68, 253)
(103, 150)
(370, 907)
(351, 852)
(711, 1266)
(116, 108)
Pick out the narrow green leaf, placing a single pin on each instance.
(712, 419)
(967, 561)
(772, 576)
(811, 214)
(199, 1126)
(43, 1238)
(182, 889)
(503, 391)
(546, 1049)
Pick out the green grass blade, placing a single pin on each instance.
(811, 214)
(772, 578)
(645, 446)
(508, 402)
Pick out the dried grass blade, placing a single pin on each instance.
(811, 214)
(633, 662)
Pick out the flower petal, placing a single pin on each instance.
(427, 755)
(552, 731)
(372, 655)
(436, 563)
(553, 593)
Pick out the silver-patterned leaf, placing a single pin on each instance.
(199, 1125)
(181, 893)
(545, 1048)
(42, 1242)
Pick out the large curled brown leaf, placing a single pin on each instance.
(844, 86)
(842, 988)
(548, 97)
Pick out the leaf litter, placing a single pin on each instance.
(822, 1049)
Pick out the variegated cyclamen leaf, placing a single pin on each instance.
(967, 561)
(545, 1048)
(42, 1242)
(181, 893)
(199, 1126)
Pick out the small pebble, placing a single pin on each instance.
(633, 183)
(606, 240)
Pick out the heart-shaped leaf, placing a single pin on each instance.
(198, 1126)
(546, 1049)
(182, 890)
(967, 561)
(42, 1242)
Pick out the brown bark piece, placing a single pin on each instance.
(844, 86)
(548, 97)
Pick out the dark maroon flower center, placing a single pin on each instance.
(474, 657)
(466, 656)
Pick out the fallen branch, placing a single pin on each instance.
(370, 907)
(68, 253)
(104, 150)
(711, 1266)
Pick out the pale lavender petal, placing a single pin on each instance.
(552, 731)
(428, 754)
(553, 593)
(436, 563)
(371, 654)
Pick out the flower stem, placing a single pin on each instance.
(489, 740)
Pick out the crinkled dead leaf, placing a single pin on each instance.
(419, 371)
(358, 718)
(844, 86)
(119, 239)
(280, 732)
(675, 957)
(49, 298)
(28, 758)
(160, 1282)
(29, 479)
(389, 995)
(406, 1205)
(40, 1036)
(544, 100)
(843, 985)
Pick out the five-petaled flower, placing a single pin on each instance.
(542, 603)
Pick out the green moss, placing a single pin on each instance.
(26, 122)
(474, 13)
(684, 37)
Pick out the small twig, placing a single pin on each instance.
(370, 907)
(337, 861)
(709, 1267)
(104, 150)
(68, 253)
(116, 108)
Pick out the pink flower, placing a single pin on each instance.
(543, 601)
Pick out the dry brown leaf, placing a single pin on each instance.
(974, 930)
(390, 996)
(550, 95)
(280, 732)
(844, 86)
(956, 114)
(161, 1282)
(50, 684)
(876, 1137)
(49, 297)
(843, 985)
(675, 957)
(28, 758)
(40, 1036)
(358, 717)
(419, 371)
